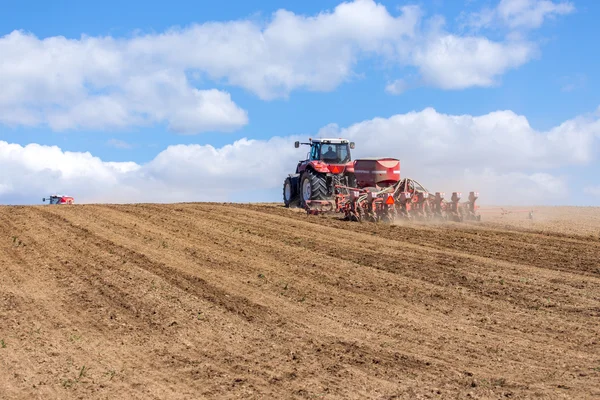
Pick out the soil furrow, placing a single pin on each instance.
(256, 301)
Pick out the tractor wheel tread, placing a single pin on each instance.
(318, 186)
(293, 198)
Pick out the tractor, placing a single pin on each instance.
(367, 188)
(328, 165)
(59, 199)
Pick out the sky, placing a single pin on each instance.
(122, 102)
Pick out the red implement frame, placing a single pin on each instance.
(406, 199)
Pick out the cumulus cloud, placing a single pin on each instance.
(96, 83)
(115, 83)
(179, 173)
(519, 14)
(499, 154)
(497, 187)
(454, 62)
(500, 139)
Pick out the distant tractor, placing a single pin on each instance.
(328, 164)
(59, 199)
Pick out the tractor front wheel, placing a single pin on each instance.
(312, 187)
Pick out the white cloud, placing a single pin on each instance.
(531, 13)
(500, 139)
(453, 62)
(497, 154)
(497, 187)
(396, 87)
(179, 173)
(96, 83)
(116, 83)
(519, 14)
(290, 51)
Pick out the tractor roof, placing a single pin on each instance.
(330, 140)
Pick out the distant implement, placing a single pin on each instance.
(59, 199)
(367, 189)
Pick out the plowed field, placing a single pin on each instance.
(188, 301)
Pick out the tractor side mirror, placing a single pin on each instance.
(352, 145)
(43, 200)
(297, 144)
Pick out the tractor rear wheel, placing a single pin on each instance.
(312, 187)
(289, 197)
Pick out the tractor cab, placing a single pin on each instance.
(329, 151)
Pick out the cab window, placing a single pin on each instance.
(315, 151)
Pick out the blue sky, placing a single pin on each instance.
(554, 80)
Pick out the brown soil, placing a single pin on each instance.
(190, 301)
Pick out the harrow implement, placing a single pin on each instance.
(380, 195)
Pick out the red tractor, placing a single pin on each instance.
(59, 199)
(328, 165)
(367, 188)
